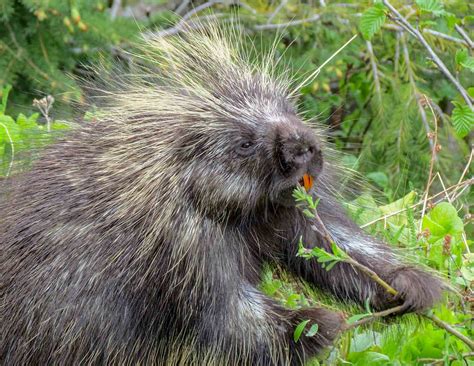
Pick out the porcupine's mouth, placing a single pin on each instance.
(285, 196)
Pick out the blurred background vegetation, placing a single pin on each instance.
(397, 102)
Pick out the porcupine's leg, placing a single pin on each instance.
(260, 332)
(417, 289)
(211, 292)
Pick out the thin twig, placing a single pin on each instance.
(434, 151)
(313, 18)
(444, 36)
(441, 361)
(182, 7)
(116, 5)
(396, 59)
(318, 70)
(442, 67)
(374, 276)
(277, 10)
(467, 166)
(449, 329)
(375, 316)
(411, 79)
(464, 35)
(397, 28)
(374, 70)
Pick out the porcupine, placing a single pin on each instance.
(140, 238)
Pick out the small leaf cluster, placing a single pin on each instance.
(23, 137)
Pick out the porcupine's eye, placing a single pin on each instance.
(245, 148)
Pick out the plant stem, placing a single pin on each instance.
(325, 233)
(434, 146)
(374, 70)
(450, 329)
(375, 316)
(435, 361)
(372, 275)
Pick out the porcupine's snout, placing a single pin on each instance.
(298, 152)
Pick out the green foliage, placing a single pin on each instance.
(43, 42)
(23, 135)
(443, 220)
(463, 59)
(299, 330)
(327, 260)
(441, 247)
(431, 6)
(302, 198)
(463, 119)
(372, 20)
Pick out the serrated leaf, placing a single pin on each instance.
(431, 6)
(372, 20)
(463, 119)
(299, 330)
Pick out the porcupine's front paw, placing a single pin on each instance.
(330, 324)
(417, 290)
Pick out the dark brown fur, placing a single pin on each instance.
(140, 239)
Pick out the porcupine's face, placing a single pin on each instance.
(258, 153)
(278, 152)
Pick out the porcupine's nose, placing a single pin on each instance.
(297, 151)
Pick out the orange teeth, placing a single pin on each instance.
(308, 182)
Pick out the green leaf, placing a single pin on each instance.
(364, 209)
(312, 331)
(299, 330)
(357, 317)
(467, 269)
(338, 252)
(26, 123)
(462, 58)
(398, 205)
(443, 220)
(372, 358)
(9, 130)
(5, 92)
(363, 341)
(379, 178)
(431, 6)
(463, 119)
(372, 20)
